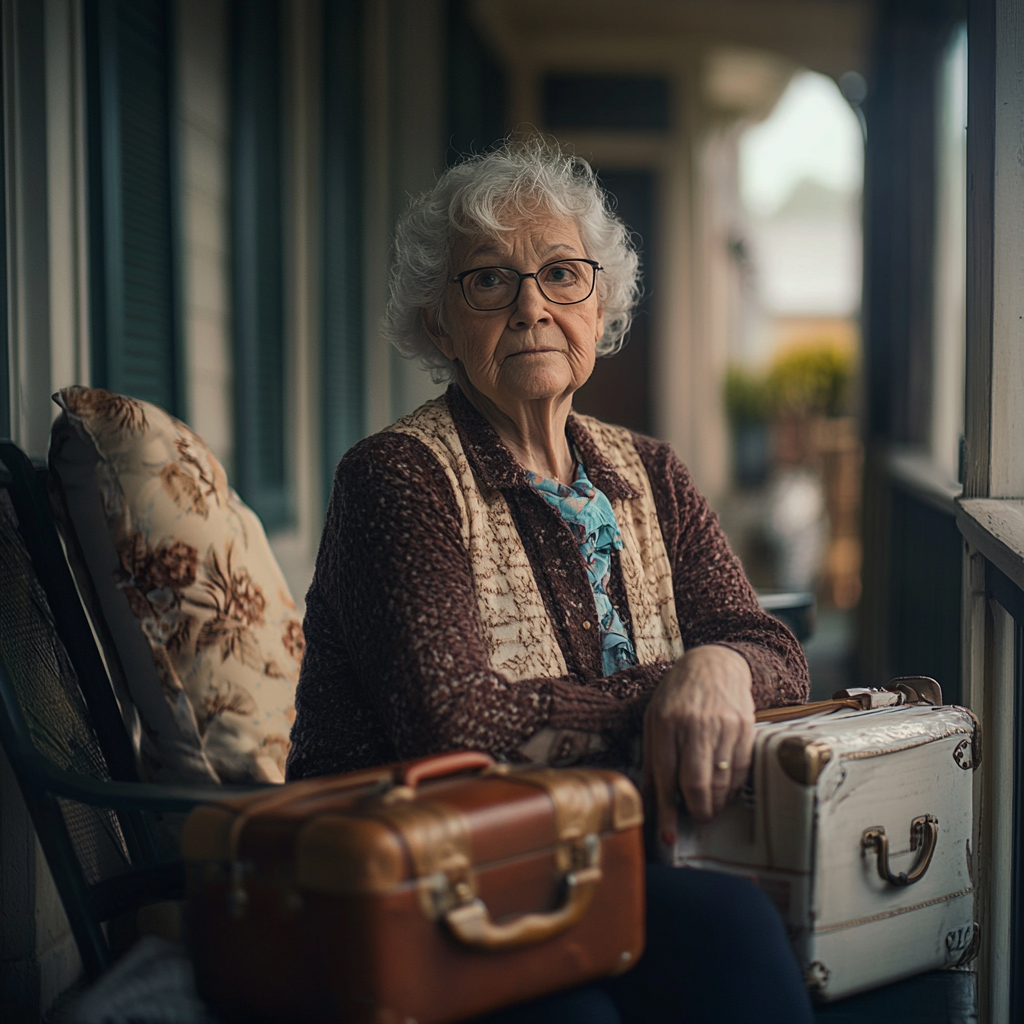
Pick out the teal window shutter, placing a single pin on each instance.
(5, 378)
(133, 197)
(262, 473)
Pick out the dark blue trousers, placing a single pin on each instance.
(717, 953)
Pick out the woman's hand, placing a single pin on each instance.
(698, 734)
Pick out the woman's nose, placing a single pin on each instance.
(531, 306)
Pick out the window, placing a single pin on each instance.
(132, 201)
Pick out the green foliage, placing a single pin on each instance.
(816, 379)
(810, 380)
(747, 397)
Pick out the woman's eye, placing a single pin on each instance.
(488, 279)
(560, 275)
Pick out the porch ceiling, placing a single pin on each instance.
(830, 36)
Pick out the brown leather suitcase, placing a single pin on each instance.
(425, 892)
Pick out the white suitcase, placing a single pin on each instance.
(858, 825)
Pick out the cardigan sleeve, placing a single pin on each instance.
(715, 603)
(392, 598)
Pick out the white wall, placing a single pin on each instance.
(203, 146)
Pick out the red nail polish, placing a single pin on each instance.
(668, 837)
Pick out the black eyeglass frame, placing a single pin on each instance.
(460, 278)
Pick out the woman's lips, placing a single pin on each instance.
(532, 352)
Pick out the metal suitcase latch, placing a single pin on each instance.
(897, 692)
(924, 833)
(870, 697)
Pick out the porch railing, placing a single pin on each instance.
(994, 642)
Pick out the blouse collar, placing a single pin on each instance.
(496, 466)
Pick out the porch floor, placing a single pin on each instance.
(940, 997)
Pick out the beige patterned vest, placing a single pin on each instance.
(519, 633)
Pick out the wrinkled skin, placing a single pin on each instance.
(702, 714)
(520, 367)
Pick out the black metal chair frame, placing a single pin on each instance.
(153, 876)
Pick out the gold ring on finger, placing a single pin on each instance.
(722, 766)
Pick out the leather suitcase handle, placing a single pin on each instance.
(444, 764)
(472, 925)
(793, 711)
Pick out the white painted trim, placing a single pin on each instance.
(996, 529)
(917, 472)
(66, 194)
(997, 819)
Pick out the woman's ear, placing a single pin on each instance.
(437, 334)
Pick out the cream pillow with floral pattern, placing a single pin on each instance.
(204, 626)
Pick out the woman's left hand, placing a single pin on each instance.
(698, 735)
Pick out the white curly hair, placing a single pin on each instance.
(487, 194)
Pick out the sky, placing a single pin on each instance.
(811, 133)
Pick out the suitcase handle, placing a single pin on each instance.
(472, 925)
(444, 764)
(789, 712)
(924, 832)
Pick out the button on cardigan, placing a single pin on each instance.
(396, 664)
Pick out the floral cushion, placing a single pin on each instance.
(200, 615)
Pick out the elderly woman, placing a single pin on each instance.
(498, 573)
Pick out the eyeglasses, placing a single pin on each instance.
(563, 281)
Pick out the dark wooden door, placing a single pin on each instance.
(619, 390)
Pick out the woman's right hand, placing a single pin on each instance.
(698, 735)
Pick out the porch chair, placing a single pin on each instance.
(103, 831)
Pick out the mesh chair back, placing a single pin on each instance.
(59, 714)
(51, 701)
(112, 846)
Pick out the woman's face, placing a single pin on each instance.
(535, 348)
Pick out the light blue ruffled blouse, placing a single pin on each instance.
(588, 513)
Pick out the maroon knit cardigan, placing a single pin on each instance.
(396, 664)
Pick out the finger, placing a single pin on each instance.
(742, 756)
(664, 770)
(722, 768)
(697, 747)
